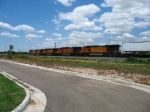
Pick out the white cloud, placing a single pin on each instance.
(47, 44)
(49, 39)
(125, 36)
(125, 15)
(143, 39)
(66, 2)
(22, 27)
(72, 26)
(142, 24)
(55, 21)
(7, 26)
(146, 33)
(82, 38)
(25, 28)
(7, 34)
(60, 38)
(57, 34)
(76, 38)
(80, 13)
(30, 36)
(84, 26)
(41, 31)
(57, 28)
(80, 18)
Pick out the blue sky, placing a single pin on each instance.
(35, 24)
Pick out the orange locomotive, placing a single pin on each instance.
(107, 50)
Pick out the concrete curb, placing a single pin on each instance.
(113, 80)
(25, 102)
(33, 95)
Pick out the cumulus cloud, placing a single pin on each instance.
(84, 26)
(7, 34)
(7, 26)
(60, 38)
(48, 43)
(25, 28)
(41, 31)
(55, 21)
(57, 28)
(125, 15)
(125, 36)
(80, 18)
(80, 13)
(142, 24)
(49, 39)
(146, 33)
(143, 39)
(22, 27)
(66, 2)
(76, 37)
(31, 36)
(57, 34)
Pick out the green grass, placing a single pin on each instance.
(130, 65)
(11, 95)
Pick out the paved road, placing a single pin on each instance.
(67, 93)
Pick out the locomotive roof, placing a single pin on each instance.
(103, 46)
(113, 45)
(93, 46)
(70, 47)
(76, 47)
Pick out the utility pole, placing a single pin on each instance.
(109, 37)
(55, 45)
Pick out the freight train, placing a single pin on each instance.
(139, 49)
(107, 50)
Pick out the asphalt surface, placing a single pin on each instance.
(67, 93)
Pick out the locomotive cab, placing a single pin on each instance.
(112, 50)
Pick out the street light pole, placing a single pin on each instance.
(109, 37)
(55, 45)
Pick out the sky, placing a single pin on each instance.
(37, 24)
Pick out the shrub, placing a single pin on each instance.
(148, 61)
(9, 56)
(142, 61)
(23, 57)
(131, 60)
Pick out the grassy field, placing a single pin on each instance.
(11, 95)
(130, 65)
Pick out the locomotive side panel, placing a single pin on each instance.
(67, 50)
(98, 49)
(59, 51)
(49, 51)
(85, 50)
(37, 52)
(43, 52)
